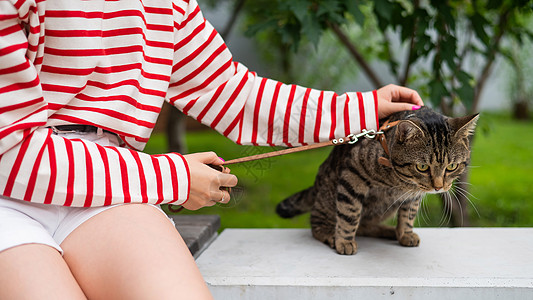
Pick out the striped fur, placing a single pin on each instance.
(353, 193)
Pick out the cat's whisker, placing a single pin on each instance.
(424, 213)
(462, 182)
(452, 198)
(475, 208)
(428, 213)
(395, 201)
(444, 211)
(417, 196)
(396, 212)
(401, 203)
(460, 207)
(422, 210)
(450, 209)
(467, 195)
(447, 213)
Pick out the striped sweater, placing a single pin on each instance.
(111, 64)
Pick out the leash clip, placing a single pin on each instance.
(369, 134)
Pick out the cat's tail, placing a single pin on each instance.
(296, 204)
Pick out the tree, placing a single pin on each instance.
(519, 83)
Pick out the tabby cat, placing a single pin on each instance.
(358, 186)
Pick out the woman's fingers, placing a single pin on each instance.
(206, 182)
(393, 98)
(404, 94)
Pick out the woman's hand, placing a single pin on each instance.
(393, 98)
(206, 182)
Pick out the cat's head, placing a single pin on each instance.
(430, 150)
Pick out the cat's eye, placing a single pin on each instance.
(422, 167)
(452, 167)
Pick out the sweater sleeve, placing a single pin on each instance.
(38, 166)
(209, 86)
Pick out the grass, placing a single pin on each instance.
(502, 173)
(501, 178)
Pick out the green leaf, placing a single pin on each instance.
(465, 92)
(383, 24)
(478, 23)
(300, 8)
(494, 4)
(446, 14)
(464, 77)
(508, 54)
(353, 8)
(311, 29)
(437, 91)
(328, 7)
(448, 50)
(408, 28)
(396, 18)
(423, 45)
(253, 29)
(383, 9)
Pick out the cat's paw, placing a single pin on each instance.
(331, 242)
(345, 247)
(409, 239)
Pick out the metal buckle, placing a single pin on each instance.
(369, 134)
(58, 131)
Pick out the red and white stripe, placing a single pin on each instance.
(111, 64)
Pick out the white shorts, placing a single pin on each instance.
(23, 222)
(27, 223)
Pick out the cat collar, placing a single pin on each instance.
(383, 140)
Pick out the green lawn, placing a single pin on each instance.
(501, 178)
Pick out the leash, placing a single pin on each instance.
(350, 139)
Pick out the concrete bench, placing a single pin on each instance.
(459, 263)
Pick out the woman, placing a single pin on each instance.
(81, 86)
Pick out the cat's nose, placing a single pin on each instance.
(439, 189)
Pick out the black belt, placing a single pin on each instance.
(78, 128)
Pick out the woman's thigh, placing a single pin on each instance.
(36, 271)
(132, 252)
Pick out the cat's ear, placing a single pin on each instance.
(408, 130)
(463, 126)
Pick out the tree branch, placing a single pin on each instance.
(235, 13)
(356, 55)
(490, 58)
(405, 76)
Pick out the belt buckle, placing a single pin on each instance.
(55, 130)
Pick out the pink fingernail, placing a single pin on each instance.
(222, 159)
(416, 107)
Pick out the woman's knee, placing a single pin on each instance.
(132, 251)
(36, 271)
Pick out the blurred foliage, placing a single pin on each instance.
(520, 70)
(444, 49)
